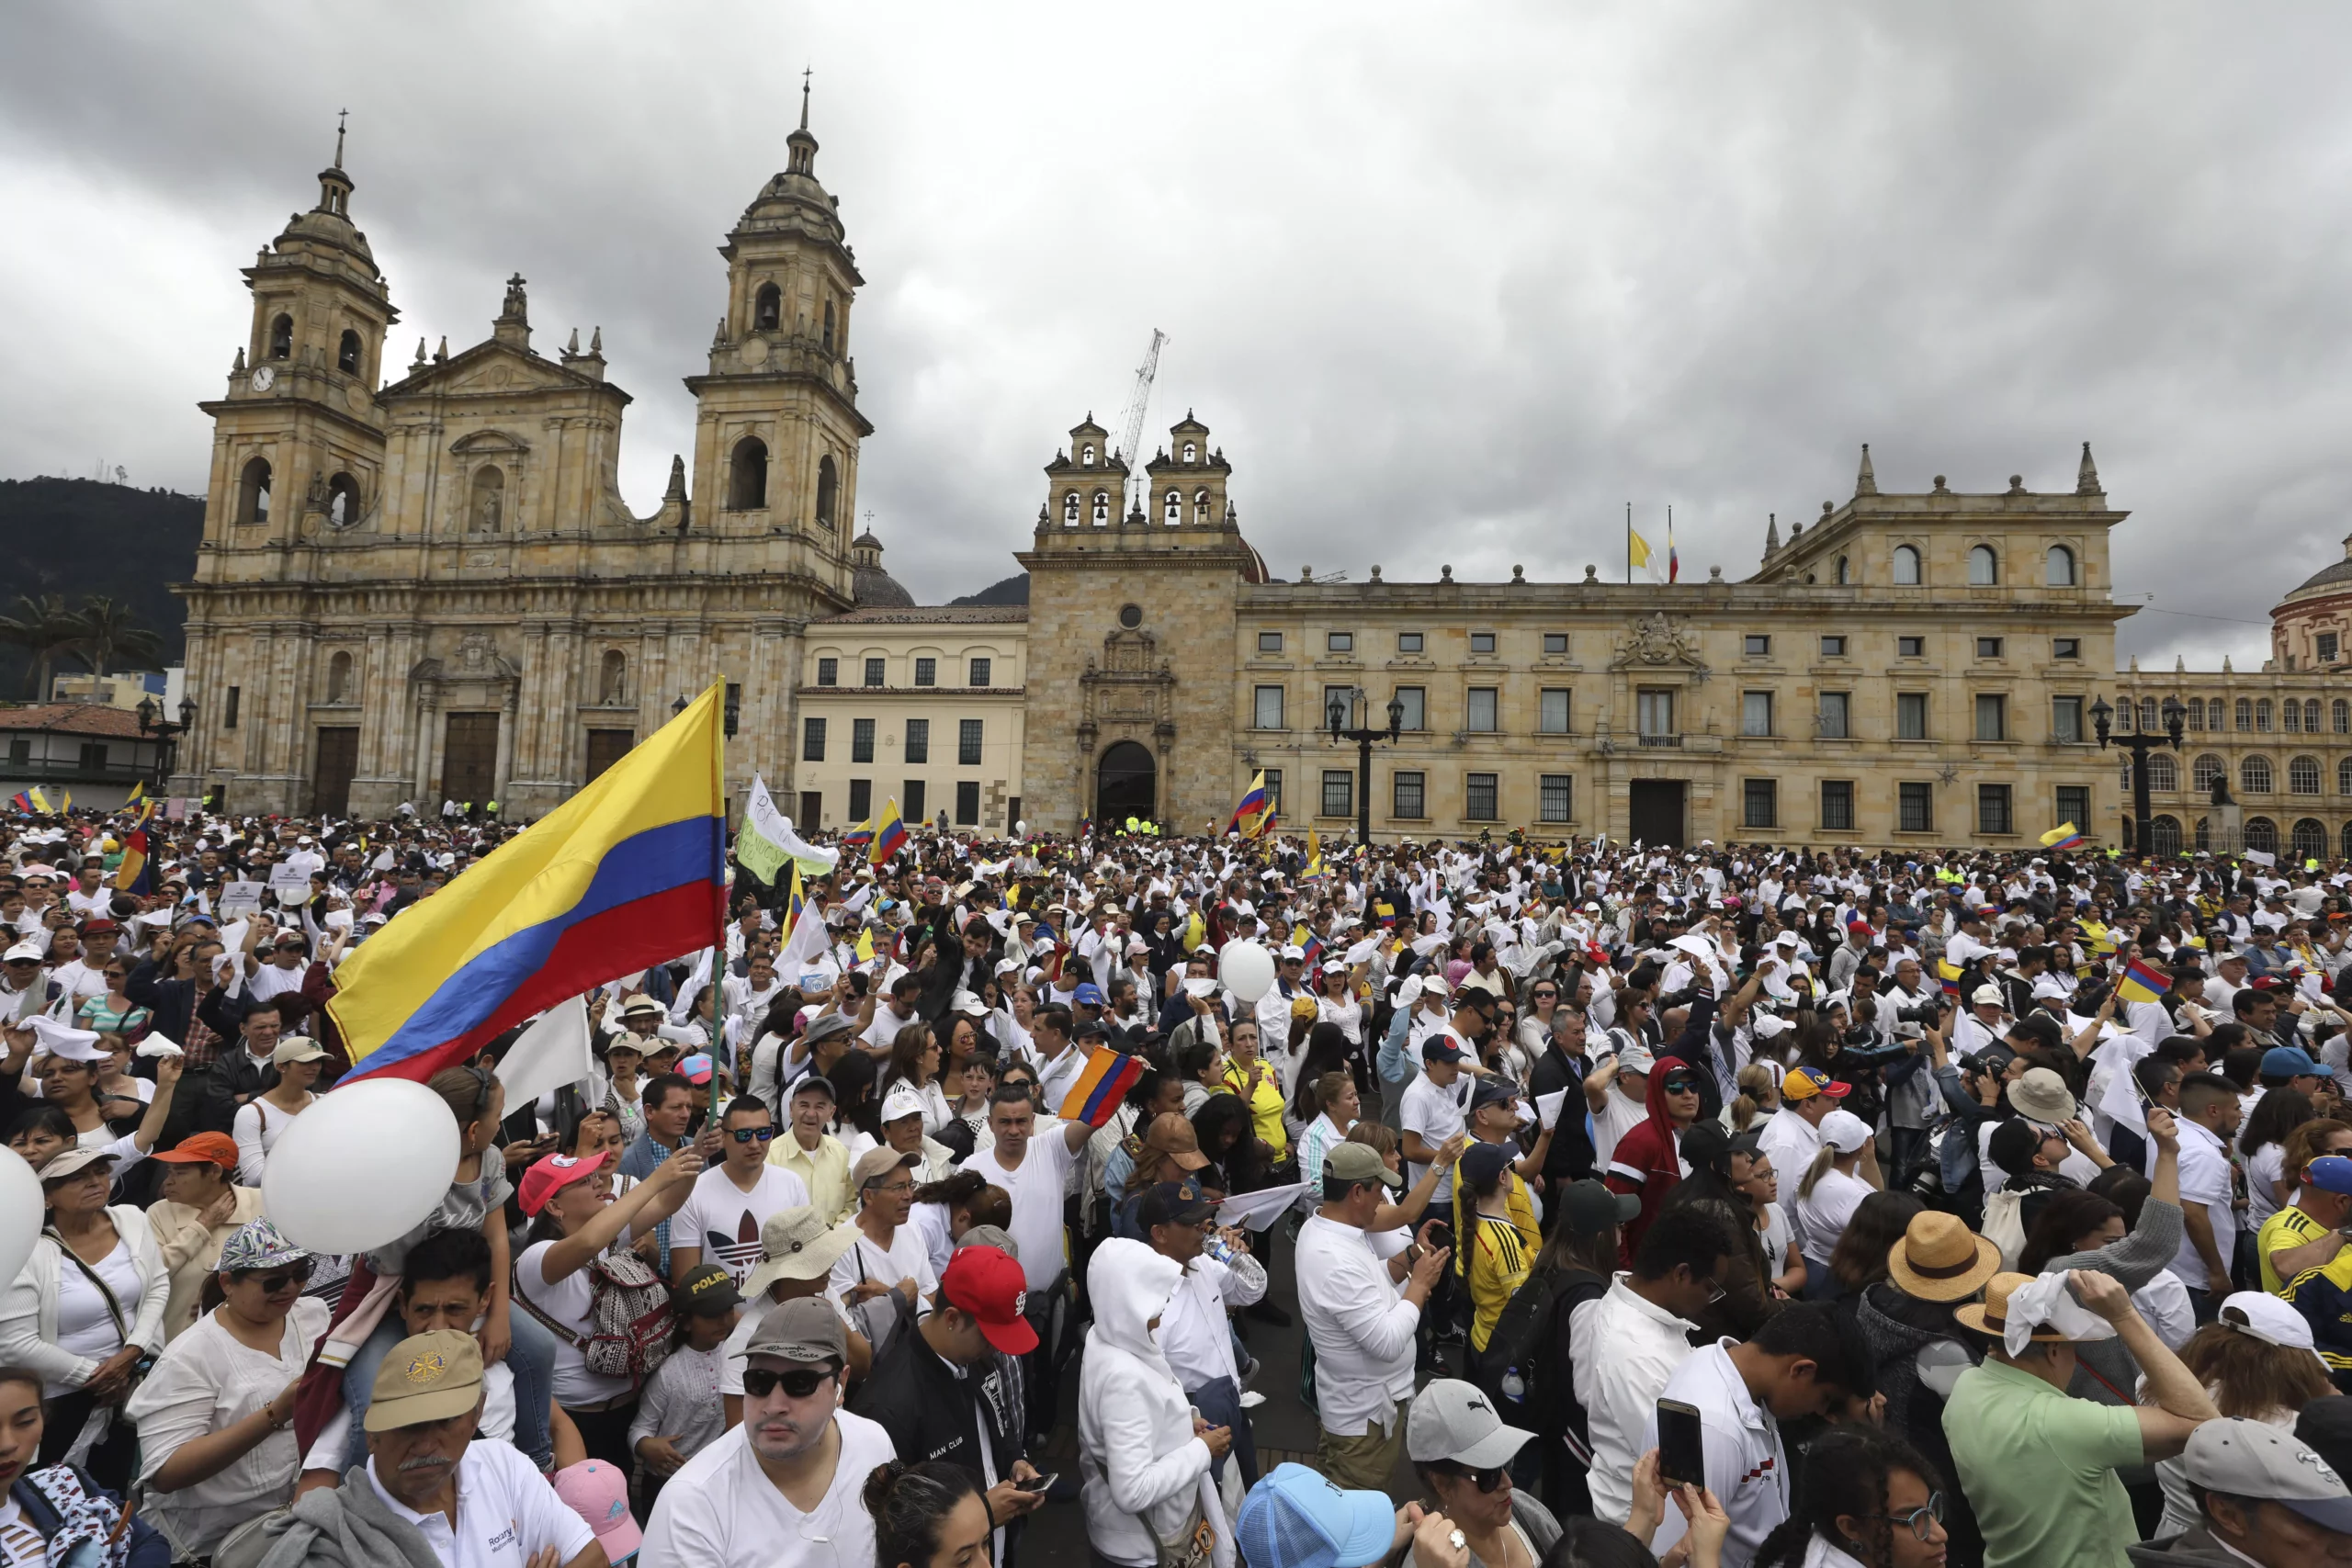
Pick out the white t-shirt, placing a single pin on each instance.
(1824, 1213)
(2204, 1178)
(507, 1512)
(724, 1219)
(1036, 1190)
(22, 1543)
(907, 1257)
(84, 1325)
(721, 1510)
(1436, 1115)
(1619, 1115)
(1778, 1233)
(2263, 1167)
(567, 1302)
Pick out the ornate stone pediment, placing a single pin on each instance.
(490, 444)
(1129, 692)
(1654, 641)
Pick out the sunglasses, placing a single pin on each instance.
(751, 1134)
(1487, 1481)
(1681, 1086)
(799, 1383)
(277, 1280)
(1921, 1520)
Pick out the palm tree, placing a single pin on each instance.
(109, 629)
(44, 628)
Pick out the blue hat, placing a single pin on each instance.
(1295, 1518)
(2330, 1173)
(2289, 1062)
(1088, 995)
(1481, 1163)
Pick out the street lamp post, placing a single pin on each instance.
(166, 734)
(2142, 815)
(1336, 717)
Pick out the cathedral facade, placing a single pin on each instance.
(429, 587)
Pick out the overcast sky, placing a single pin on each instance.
(1449, 284)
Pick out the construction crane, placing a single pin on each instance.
(1131, 422)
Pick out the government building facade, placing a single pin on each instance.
(429, 589)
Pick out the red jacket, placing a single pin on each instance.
(1648, 1163)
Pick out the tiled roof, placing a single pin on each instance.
(919, 615)
(73, 718)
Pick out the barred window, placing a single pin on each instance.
(967, 743)
(813, 739)
(861, 741)
(2255, 776)
(1761, 800)
(1916, 807)
(1993, 815)
(918, 740)
(1478, 795)
(2302, 776)
(1406, 799)
(2209, 771)
(1556, 797)
(1837, 805)
(1339, 793)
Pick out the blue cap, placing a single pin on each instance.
(2329, 1173)
(1088, 995)
(1295, 1518)
(2289, 1062)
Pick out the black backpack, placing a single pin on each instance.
(1525, 1341)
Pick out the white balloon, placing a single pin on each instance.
(1247, 969)
(22, 1211)
(364, 1165)
(1020, 830)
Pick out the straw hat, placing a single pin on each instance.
(1991, 1315)
(1940, 1259)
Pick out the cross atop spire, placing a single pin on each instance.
(340, 117)
(804, 97)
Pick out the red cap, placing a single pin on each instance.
(986, 1282)
(202, 1148)
(552, 1173)
(1857, 926)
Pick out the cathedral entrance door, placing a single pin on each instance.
(1126, 784)
(1655, 814)
(470, 758)
(331, 779)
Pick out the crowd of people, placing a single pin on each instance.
(1730, 1205)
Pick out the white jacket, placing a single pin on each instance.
(1137, 1451)
(28, 1306)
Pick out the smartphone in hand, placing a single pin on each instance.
(1681, 1446)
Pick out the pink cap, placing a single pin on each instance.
(599, 1494)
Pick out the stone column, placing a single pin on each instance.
(424, 743)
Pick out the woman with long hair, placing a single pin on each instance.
(1866, 1499)
(262, 1120)
(1327, 1050)
(1860, 1258)
(1232, 1149)
(114, 1012)
(86, 1308)
(2263, 1147)
(2257, 1362)
(931, 1514)
(1758, 1097)
(857, 1110)
(946, 1209)
(53, 1514)
(1336, 1004)
(1843, 1174)
(915, 1055)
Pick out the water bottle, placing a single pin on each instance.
(1514, 1387)
(1216, 1247)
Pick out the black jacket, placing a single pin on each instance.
(1570, 1158)
(931, 1413)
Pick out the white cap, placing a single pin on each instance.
(1290, 953)
(1768, 1024)
(21, 952)
(2267, 1318)
(1847, 1133)
(902, 1101)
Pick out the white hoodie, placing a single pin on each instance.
(1137, 1454)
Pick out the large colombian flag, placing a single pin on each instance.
(626, 874)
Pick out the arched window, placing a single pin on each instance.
(2244, 714)
(346, 354)
(2163, 835)
(253, 491)
(339, 678)
(1070, 509)
(2148, 716)
(2261, 833)
(767, 307)
(1906, 566)
(2344, 776)
(2059, 566)
(1200, 507)
(343, 501)
(829, 490)
(2262, 714)
(2311, 716)
(2339, 716)
(2255, 777)
(2291, 715)
(281, 338)
(1191, 451)
(1983, 566)
(486, 511)
(2207, 771)
(747, 474)
(612, 679)
(1102, 508)
(2204, 832)
(2196, 715)
(2123, 716)
(2302, 776)
(1086, 455)
(2164, 772)
(1174, 508)
(829, 326)
(2307, 839)
(1845, 571)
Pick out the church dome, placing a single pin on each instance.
(871, 588)
(2328, 575)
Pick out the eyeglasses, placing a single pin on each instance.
(1921, 1520)
(799, 1383)
(271, 1283)
(751, 1134)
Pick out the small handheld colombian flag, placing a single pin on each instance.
(1255, 813)
(2143, 982)
(131, 876)
(1948, 974)
(2066, 836)
(1101, 1088)
(628, 873)
(889, 834)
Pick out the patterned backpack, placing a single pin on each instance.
(629, 1319)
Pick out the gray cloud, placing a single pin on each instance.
(1449, 285)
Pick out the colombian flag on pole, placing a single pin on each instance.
(2066, 836)
(131, 876)
(1101, 1087)
(626, 874)
(1948, 976)
(21, 801)
(1255, 813)
(889, 834)
(2143, 982)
